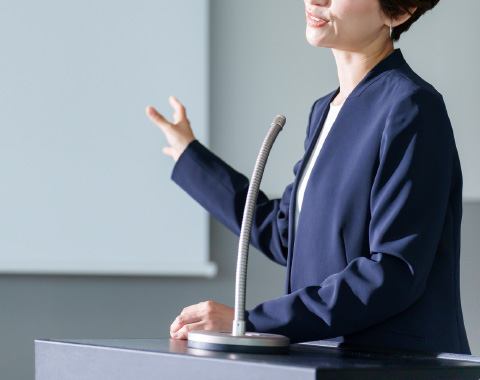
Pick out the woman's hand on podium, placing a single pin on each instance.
(207, 315)
(178, 134)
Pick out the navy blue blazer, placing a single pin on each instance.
(375, 259)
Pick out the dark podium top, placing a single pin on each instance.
(148, 359)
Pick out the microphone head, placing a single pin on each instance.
(280, 120)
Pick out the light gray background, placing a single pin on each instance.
(79, 160)
(260, 66)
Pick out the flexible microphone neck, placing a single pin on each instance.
(245, 232)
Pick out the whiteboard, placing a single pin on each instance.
(85, 186)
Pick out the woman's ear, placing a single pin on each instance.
(400, 19)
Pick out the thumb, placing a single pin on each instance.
(180, 113)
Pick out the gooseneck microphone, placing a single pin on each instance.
(245, 232)
(238, 340)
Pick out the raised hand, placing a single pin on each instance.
(178, 134)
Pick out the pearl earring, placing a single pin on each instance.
(390, 30)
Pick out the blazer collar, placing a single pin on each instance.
(393, 61)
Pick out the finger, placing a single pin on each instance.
(157, 118)
(188, 315)
(168, 151)
(180, 113)
(175, 326)
(185, 315)
(183, 332)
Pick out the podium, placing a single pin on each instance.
(149, 359)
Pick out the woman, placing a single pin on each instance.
(372, 243)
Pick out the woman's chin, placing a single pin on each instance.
(316, 40)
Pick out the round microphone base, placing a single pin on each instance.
(251, 343)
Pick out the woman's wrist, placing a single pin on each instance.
(181, 150)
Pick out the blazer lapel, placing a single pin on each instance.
(319, 114)
(317, 120)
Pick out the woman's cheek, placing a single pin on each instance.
(359, 12)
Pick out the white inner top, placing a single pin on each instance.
(331, 117)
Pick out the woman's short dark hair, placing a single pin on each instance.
(395, 8)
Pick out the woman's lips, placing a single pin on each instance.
(314, 21)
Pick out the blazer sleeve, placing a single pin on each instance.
(408, 204)
(222, 191)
